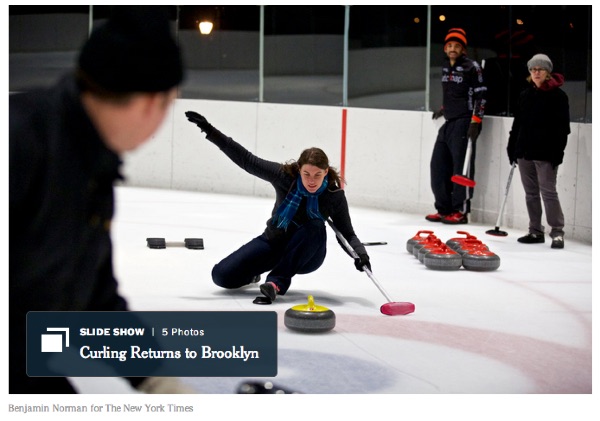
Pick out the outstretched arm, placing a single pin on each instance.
(261, 168)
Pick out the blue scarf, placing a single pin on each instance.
(286, 211)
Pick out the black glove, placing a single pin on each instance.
(199, 121)
(511, 158)
(437, 114)
(474, 130)
(362, 260)
(557, 159)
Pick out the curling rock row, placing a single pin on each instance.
(309, 317)
(467, 251)
(431, 251)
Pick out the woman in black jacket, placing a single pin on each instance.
(536, 143)
(308, 192)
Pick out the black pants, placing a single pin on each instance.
(448, 159)
(303, 253)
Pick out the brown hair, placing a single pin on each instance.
(318, 158)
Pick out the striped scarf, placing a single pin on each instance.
(286, 211)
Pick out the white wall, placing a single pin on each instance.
(387, 158)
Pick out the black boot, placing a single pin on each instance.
(532, 239)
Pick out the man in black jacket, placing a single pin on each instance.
(463, 109)
(65, 143)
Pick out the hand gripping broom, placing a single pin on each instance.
(391, 308)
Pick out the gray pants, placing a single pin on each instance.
(539, 179)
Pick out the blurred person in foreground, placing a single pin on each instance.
(65, 147)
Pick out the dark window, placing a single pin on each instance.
(303, 51)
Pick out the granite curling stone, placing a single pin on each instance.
(481, 260)
(442, 258)
(309, 317)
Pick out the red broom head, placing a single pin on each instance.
(463, 181)
(397, 309)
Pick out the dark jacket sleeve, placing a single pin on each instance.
(106, 295)
(513, 137)
(340, 216)
(564, 118)
(25, 154)
(261, 168)
(479, 91)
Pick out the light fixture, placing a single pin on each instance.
(205, 27)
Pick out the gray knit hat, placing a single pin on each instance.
(540, 60)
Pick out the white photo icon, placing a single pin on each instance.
(54, 342)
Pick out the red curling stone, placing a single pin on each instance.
(430, 239)
(468, 245)
(442, 258)
(416, 238)
(427, 247)
(456, 241)
(481, 260)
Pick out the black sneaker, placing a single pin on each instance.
(269, 289)
(558, 243)
(532, 239)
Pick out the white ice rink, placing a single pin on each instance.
(524, 329)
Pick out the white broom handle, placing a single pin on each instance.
(510, 175)
(468, 158)
(470, 142)
(353, 253)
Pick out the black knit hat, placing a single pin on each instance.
(457, 35)
(134, 51)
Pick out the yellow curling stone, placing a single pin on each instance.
(309, 317)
